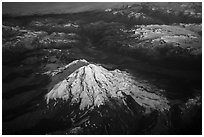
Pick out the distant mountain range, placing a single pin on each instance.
(30, 8)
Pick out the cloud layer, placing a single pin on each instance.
(28, 8)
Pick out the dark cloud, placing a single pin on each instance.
(27, 8)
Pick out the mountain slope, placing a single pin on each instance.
(91, 87)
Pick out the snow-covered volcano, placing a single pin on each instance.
(93, 85)
(93, 89)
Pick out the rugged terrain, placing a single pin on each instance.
(131, 70)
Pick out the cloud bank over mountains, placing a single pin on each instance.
(29, 8)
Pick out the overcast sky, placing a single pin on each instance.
(27, 8)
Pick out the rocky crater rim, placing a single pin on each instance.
(71, 66)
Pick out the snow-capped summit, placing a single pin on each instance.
(92, 86)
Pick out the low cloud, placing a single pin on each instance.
(28, 8)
